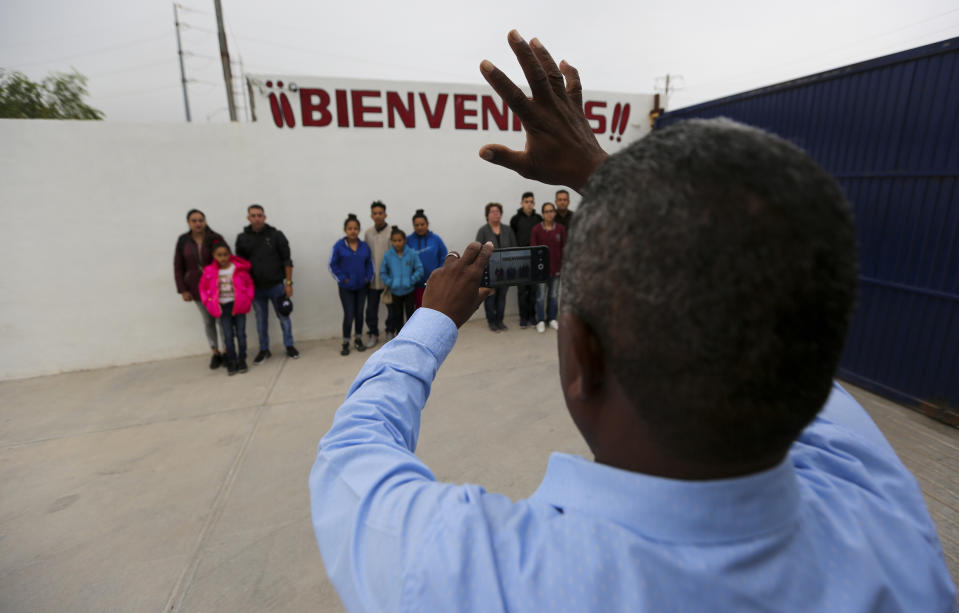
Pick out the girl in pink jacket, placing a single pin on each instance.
(226, 290)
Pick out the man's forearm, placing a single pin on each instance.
(371, 497)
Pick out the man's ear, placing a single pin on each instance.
(581, 361)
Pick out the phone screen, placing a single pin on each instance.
(511, 267)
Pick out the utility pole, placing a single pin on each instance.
(179, 51)
(669, 86)
(225, 60)
(242, 80)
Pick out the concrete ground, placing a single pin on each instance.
(167, 486)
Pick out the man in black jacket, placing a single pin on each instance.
(522, 225)
(272, 270)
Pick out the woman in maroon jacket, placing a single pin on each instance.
(553, 235)
(192, 254)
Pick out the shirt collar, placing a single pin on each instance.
(703, 512)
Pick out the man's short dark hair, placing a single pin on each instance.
(717, 265)
(254, 206)
(561, 191)
(377, 204)
(527, 195)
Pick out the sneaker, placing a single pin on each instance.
(554, 324)
(231, 367)
(291, 352)
(540, 327)
(264, 354)
(358, 343)
(241, 365)
(215, 360)
(494, 328)
(522, 324)
(390, 335)
(502, 326)
(371, 340)
(346, 348)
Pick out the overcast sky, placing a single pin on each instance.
(127, 48)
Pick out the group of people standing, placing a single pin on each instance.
(528, 228)
(385, 266)
(224, 286)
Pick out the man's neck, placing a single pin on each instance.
(381, 227)
(622, 439)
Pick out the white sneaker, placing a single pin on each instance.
(541, 327)
(371, 340)
(554, 325)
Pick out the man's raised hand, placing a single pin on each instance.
(454, 289)
(561, 148)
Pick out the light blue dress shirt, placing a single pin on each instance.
(839, 525)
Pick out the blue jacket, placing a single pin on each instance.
(351, 269)
(400, 273)
(431, 250)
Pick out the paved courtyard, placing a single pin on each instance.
(165, 486)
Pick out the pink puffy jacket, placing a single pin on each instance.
(242, 287)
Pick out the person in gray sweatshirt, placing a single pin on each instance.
(378, 238)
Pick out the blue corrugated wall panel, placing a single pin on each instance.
(888, 130)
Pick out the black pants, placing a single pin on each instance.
(352, 301)
(373, 311)
(495, 306)
(399, 312)
(526, 297)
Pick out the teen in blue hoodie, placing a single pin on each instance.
(429, 247)
(400, 271)
(351, 263)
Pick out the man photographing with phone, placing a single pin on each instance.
(696, 359)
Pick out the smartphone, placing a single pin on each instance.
(517, 266)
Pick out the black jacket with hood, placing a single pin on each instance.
(268, 252)
(523, 224)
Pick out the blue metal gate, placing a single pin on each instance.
(888, 130)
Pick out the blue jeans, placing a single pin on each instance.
(261, 300)
(352, 301)
(233, 325)
(548, 294)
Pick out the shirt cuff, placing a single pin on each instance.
(432, 329)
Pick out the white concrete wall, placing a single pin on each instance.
(92, 211)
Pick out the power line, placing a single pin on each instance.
(94, 51)
(197, 28)
(139, 91)
(95, 75)
(36, 42)
(188, 9)
(351, 58)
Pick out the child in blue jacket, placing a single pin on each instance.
(351, 263)
(400, 270)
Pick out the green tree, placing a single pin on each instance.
(59, 96)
